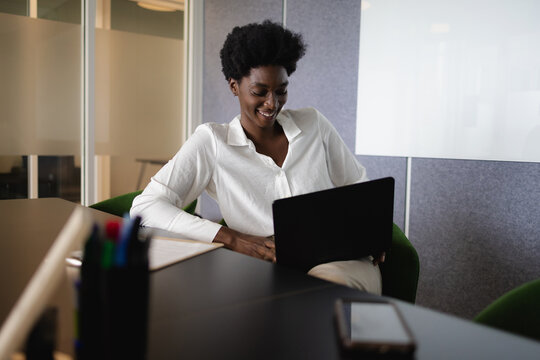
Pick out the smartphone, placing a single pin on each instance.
(372, 326)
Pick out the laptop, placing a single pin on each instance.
(343, 223)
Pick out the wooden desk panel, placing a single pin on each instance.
(28, 229)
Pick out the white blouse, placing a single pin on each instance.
(220, 159)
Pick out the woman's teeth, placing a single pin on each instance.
(266, 114)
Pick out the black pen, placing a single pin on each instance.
(89, 297)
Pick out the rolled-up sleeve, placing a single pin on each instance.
(176, 185)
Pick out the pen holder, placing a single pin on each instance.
(128, 313)
(113, 298)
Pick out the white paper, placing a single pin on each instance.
(165, 251)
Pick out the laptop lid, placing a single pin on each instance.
(343, 223)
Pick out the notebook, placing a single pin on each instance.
(343, 223)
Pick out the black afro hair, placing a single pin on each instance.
(254, 45)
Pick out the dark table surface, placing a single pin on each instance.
(227, 305)
(223, 305)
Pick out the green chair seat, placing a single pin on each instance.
(517, 311)
(121, 204)
(401, 268)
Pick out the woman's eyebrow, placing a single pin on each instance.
(266, 86)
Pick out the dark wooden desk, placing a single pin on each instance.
(223, 305)
(227, 305)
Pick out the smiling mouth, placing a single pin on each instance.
(267, 115)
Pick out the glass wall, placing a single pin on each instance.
(138, 96)
(13, 177)
(40, 99)
(139, 92)
(60, 10)
(15, 7)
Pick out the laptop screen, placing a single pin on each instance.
(343, 223)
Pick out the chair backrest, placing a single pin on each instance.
(118, 205)
(517, 311)
(121, 204)
(401, 268)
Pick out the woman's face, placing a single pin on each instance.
(261, 94)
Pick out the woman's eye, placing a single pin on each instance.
(256, 93)
(265, 93)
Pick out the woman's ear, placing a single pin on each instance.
(233, 85)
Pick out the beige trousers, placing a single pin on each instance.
(359, 274)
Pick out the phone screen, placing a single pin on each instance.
(376, 322)
(373, 326)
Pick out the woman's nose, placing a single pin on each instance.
(271, 101)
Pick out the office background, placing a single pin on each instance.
(475, 224)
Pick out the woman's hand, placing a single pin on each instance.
(379, 259)
(256, 246)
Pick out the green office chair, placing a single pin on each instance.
(401, 268)
(517, 311)
(121, 204)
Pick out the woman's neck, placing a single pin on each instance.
(263, 135)
(270, 141)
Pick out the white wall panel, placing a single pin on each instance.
(450, 79)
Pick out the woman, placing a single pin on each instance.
(261, 155)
